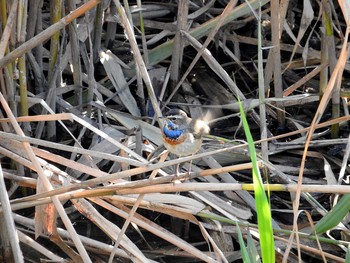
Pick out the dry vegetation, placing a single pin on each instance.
(83, 87)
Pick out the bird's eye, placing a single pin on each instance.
(171, 118)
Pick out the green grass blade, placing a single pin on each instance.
(347, 256)
(261, 200)
(244, 251)
(253, 252)
(335, 216)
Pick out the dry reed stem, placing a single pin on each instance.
(150, 167)
(276, 24)
(72, 149)
(46, 183)
(74, 45)
(115, 187)
(46, 34)
(161, 186)
(336, 75)
(138, 59)
(177, 57)
(155, 229)
(202, 48)
(8, 222)
(133, 210)
(304, 79)
(168, 188)
(312, 250)
(7, 31)
(91, 244)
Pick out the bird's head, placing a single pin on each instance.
(177, 119)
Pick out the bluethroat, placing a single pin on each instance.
(183, 135)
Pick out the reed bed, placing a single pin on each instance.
(84, 86)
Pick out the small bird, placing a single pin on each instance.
(183, 135)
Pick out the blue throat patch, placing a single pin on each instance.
(172, 133)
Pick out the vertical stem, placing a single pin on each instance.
(22, 60)
(3, 13)
(38, 50)
(330, 46)
(324, 60)
(138, 58)
(111, 27)
(8, 22)
(331, 55)
(276, 33)
(23, 85)
(178, 47)
(9, 221)
(56, 14)
(262, 108)
(56, 7)
(97, 31)
(74, 44)
(143, 36)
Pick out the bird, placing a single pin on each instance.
(181, 134)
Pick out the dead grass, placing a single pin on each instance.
(83, 88)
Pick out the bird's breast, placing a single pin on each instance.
(184, 145)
